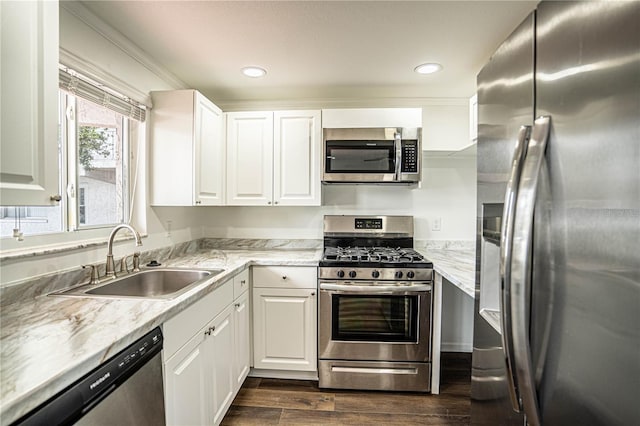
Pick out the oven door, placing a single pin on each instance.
(375, 321)
(360, 161)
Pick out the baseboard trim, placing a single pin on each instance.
(283, 374)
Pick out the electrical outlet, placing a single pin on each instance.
(437, 224)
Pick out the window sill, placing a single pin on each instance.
(58, 248)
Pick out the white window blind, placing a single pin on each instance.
(85, 88)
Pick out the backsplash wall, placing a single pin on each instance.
(448, 193)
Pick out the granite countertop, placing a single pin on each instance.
(34, 365)
(455, 265)
(48, 342)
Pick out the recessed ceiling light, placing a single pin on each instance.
(428, 68)
(254, 72)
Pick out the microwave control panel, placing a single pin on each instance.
(410, 156)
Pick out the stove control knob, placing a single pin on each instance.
(411, 274)
(352, 274)
(340, 273)
(398, 274)
(375, 274)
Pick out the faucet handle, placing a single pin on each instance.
(95, 279)
(136, 262)
(123, 265)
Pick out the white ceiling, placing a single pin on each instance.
(337, 50)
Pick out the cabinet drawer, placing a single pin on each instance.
(179, 329)
(285, 276)
(240, 283)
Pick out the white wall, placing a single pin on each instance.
(447, 193)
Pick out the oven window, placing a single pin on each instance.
(360, 157)
(375, 318)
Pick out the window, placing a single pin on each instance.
(94, 129)
(99, 154)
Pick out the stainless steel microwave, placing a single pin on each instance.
(372, 155)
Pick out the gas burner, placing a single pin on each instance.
(372, 254)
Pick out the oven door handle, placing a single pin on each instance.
(375, 289)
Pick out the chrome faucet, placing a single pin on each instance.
(110, 268)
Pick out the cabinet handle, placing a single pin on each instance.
(243, 282)
(198, 202)
(237, 305)
(208, 332)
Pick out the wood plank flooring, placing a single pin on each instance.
(301, 402)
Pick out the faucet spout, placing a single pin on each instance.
(110, 268)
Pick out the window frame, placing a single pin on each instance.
(69, 104)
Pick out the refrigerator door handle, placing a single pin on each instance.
(521, 267)
(506, 241)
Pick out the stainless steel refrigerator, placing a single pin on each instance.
(557, 311)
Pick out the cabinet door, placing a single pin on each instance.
(284, 327)
(296, 158)
(222, 377)
(29, 172)
(209, 153)
(186, 375)
(242, 341)
(249, 158)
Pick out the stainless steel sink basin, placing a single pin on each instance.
(148, 283)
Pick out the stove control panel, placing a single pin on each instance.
(381, 274)
(367, 223)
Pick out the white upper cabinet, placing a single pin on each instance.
(29, 172)
(296, 154)
(445, 127)
(371, 117)
(273, 158)
(249, 158)
(187, 150)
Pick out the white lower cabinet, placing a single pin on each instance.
(222, 351)
(284, 318)
(241, 322)
(185, 386)
(203, 374)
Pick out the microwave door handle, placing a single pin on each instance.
(521, 266)
(506, 241)
(398, 146)
(374, 289)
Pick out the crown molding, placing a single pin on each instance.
(81, 12)
(266, 104)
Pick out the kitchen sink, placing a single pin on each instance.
(148, 283)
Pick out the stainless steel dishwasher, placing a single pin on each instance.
(125, 390)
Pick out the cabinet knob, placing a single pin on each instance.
(284, 277)
(243, 282)
(269, 202)
(275, 202)
(237, 305)
(56, 197)
(313, 293)
(198, 202)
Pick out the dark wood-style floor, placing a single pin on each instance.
(300, 402)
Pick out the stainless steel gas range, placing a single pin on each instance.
(375, 306)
